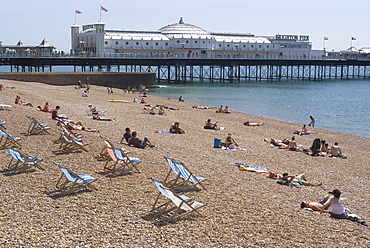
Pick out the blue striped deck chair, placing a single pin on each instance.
(183, 175)
(130, 162)
(70, 145)
(8, 140)
(73, 181)
(36, 127)
(119, 165)
(19, 162)
(175, 206)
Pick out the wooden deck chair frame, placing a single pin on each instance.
(36, 128)
(72, 181)
(22, 162)
(183, 175)
(103, 153)
(8, 140)
(69, 132)
(2, 127)
(176, 207)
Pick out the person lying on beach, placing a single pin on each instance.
(274, 175)
(210, 125)
(277, 143)
(255, 124)
(94, 110)
(79, 126)
(175, 128)
(315, 206)
(336, 152)
(301, 179)
(136, 142)
(19, 102)
(99, 118)
(200, 107)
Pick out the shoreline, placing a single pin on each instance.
(241, 208)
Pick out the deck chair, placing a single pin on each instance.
(70, 145)
(183, 175)
(115, 164)
(131, 162)
(73, 181)
(36, 128)
(68, 132)
(174, 206)
(8, 140)
(19, 162)
(103, 153)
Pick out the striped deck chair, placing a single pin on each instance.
(36, 128)
(175, 206)
(8, 140)
(130, 162)
(103, 153)
(19, 162)
(70, 145)
(73, 181)
(183, 175)
(115, 164)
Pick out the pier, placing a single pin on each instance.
(184, 70)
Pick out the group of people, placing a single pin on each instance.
(223, 110)
(333, 204)
(134, 141)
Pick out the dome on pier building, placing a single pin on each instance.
(182, 28)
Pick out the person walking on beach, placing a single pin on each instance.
(312, 123)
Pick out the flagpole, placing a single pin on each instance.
(75, 17)
(100, 14)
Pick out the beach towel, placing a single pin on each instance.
(162, 132)
(234, 149)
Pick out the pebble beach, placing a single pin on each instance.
(241, 208)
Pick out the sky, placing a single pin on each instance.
(339, 20)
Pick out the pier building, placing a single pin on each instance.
(182, 39)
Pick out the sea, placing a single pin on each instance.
(340, 105)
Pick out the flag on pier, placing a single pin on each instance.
(353, 38)
(102, 8)
(78, 12)
(326, 38)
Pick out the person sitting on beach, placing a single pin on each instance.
(79, 126)
(255, 124)
(335, 151)
(99, 118)
(54, 113)
(175, 128)
(231, 144)
(45, 108)
(220, 110)
(292, 145)
(161, 111)
(336, 204)
(302, 131)
(226, 110)
(127, 135)
(180, 99)
(84, 94)
(143, 101)
(210, 125)
(301, 179)
(325, 149)
(136, 142)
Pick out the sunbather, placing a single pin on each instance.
(316, 206)
(230, 143)
(210, 125)
(292, 145)
(175, 128)
(99, 118)
(79, 126)
(220, 110)
(247, 123)
(301, 179)
(136, 142)
(335, 151)
(127, 135)
(19, 102)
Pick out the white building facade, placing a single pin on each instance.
(184, 40)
